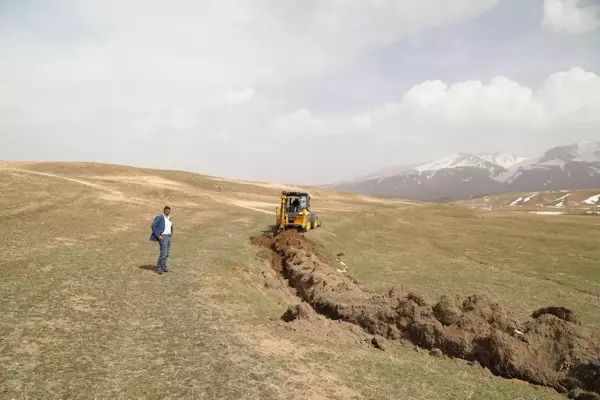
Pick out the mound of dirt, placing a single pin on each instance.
(551, 349)
(446, 311)
(561, 312)
(298, 311)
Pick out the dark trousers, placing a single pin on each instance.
(165, 249)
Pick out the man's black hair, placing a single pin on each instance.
(166, 208)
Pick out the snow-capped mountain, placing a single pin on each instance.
(387, 172)
(575, 166)
(505, 160)
(457, 160)
(461, 175)
(588, 152)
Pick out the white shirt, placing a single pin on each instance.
(168, 224)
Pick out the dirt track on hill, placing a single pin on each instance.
(551, 348)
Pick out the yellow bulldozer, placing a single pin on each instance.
(294, 212)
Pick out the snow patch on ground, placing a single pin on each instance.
(561, 201)
(592, 200)
(522, 200)
(546, 212)
(517, 202)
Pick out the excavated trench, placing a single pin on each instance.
(550, 349)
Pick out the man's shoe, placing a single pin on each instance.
(159, 272)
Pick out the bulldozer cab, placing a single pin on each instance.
(295, 212)
(297, 202)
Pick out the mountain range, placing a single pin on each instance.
(461, 175)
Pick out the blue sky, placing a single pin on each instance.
(222, 86)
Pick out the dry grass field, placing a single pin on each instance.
(553, 202)
(83, 314)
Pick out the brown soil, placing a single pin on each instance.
(298, 311)
(561, 312)
(550, 349)
(266, 242)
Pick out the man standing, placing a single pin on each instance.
(162, 231)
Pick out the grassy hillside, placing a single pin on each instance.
(524, 261)
(581, 202)
(83, 314)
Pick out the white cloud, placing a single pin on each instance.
(113, 80)
(299, 124)
(237, 96)
(342, 23)
(572, 96)
(500, 100)
(474, 115)
(569, 95)
(567, 16)
(72, 68)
